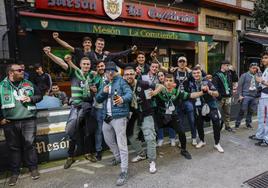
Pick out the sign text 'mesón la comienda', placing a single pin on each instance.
(132, 11)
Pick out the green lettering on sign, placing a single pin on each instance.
(106, 30)
(82, 27)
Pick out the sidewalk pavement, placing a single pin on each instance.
(241, 161)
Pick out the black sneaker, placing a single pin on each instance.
(237, 126)
(99, 155)
(253, 137)
(115, 162)
(229, 129)
(262, 143)
(91, 157)
(122, 179)
(13, 180)
(69, 162)
(186, 154)
(35, 174)
(249, 126)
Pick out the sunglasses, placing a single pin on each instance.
(130, 74)
(18, 70)
(253, 64)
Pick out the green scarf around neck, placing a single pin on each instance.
(10, 93)
(224, 80)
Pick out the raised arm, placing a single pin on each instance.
(158, 89)
(68, 60)
(54, 58)
(61, 42)
(111, 56)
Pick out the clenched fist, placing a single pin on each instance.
(47, 49)
(55, 35)
(134, 48)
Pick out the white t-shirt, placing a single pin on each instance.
(109, 103)
(265, 78)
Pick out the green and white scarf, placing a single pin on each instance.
(10, 93)
(224, 80)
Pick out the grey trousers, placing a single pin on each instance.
(225, 105)
(115, 137)
(148, 130)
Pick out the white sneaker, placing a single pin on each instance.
(194, 142)
(152, 168)
(200, 145)
(138, 158)
(219, 148)
(172, 142)
(160, 143)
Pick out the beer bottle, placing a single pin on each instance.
(115, 96)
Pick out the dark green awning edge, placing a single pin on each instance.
(33, 23)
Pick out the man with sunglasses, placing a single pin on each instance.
(182, 78)
(223, 80)
(18, 118)
(116, 95)
(81, 125)
(247, 92)
(142, 111)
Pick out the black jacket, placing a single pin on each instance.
(218, 83)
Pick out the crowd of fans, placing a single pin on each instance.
(147, 98)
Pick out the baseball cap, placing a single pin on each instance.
(182, 58)
(224, 62)
(110, 65)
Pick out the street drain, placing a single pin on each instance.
(260, 181)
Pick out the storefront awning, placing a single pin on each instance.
(36, 21)
(258, 39)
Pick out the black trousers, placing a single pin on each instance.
(214, 117)
(20, 137)
(173, 121)
(80, 127)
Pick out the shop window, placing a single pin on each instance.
(219, 23)
(216, 53)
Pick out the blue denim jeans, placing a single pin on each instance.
(248, 105)
(262, 131)
(187, 108)
(160, 133)
(98, 114)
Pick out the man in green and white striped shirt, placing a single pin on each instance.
(80, 119)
